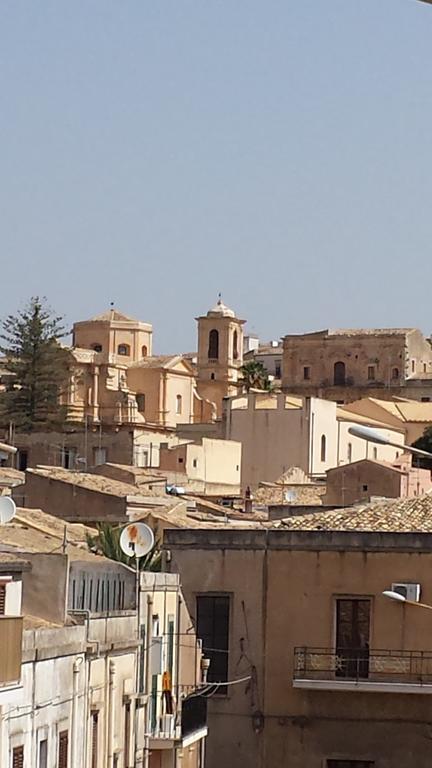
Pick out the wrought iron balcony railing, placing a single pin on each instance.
(362, 665)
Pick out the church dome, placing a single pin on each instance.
(220, 310)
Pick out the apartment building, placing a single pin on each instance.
(85, 680)
(334, 674)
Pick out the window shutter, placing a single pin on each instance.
(18, 757)
(2, 599)
(63, 749)
(94, 739)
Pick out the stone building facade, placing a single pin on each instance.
(345, 365)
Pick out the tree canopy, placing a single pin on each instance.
(107, 543)
(255, 376)
(30, 342)
(424, 443)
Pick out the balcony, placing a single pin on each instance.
(377, 671)
(178, 726)
(11, 628)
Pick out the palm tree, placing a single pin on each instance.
(107, 543)
(255, 376)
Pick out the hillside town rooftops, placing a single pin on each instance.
(91, 482)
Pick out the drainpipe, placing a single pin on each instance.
(205, 663)
(111, 688)
(149, 642)
(75, 681)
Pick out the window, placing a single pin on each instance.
(350, 763)
(94, 738)
(212, 376)
(127, 723)
(144, 351)
(349, 453)
(339, 374)
(180, 461)
(352, 637)
(195, 463)
(99, 456)
(278, 369)
(22, 460)
(43, 754)
(123, 349)
(306, 372)
(18, 757)
(412, 366)
(140, 403)
(235, 345)
(2, 599)
(212, 621)
(365, 487)
(69, 458)
(424, 367)
(170, 651)
(63, 749)
(323, 447)
(425, 399)
(213, 347)
(97, 347)
(395, 373)
(371, 372)
(375, 453)
(178, 404)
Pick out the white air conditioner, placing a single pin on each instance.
(408, 591)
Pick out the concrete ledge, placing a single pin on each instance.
(362, 686)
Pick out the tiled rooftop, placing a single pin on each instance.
(390, 516)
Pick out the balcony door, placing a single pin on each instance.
(352, 637)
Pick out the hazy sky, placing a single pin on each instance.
(155, 152)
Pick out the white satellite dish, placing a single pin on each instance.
(136, 540)
(7, 509)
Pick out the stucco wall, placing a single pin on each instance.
(283, 589)
(71, 502)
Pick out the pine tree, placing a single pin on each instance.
(40, 368)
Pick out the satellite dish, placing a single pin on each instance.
(136, 540)
(7, 509)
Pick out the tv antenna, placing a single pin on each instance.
(7, 509)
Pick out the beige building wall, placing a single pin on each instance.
(207, 465)
(112, 330)
(283, 594)
(278, 431)
(379, 362)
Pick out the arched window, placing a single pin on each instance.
(235, 345)
(178, 404)
(323, 447)
(123, 349)
(213, 347)
(140, 402)
(212, 376)
(339, 374)
(97, 347)
(349, 453)
(395, 373)
(375, 453)
(144, 351)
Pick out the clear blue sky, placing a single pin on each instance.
(155, 152)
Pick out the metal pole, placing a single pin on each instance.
(149, 640)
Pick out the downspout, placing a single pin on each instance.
(111, 688)
(75, 681)
(149, 642)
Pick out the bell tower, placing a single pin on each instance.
(220, 353)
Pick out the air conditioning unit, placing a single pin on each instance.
(408, 591)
